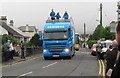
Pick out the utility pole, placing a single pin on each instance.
(84, 32)
(100, 14)
(84, 35)
(100, 21)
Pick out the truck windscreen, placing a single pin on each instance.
(55, 35)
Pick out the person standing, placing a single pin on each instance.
(65, 16)
(52, 15)
(98, 50)
(6, 50)
(116, 69)
(111, 58)
(11, 50)
(22, 50)
(58, 16)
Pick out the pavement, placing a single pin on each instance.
(17, 59)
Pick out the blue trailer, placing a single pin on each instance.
(58, 39)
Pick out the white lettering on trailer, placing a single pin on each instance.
(55, 27)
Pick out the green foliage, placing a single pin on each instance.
(29, 45)
(107, 34)
(101, 32)
(6, 37)
(91, 42)
(35, 40)
(98, 32)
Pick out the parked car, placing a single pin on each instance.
(94, 49)
(17, 50)
(104, 46)
(108, 46)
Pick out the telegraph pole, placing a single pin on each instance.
(84, 31)
(100, 14)
(84, 35)
(100, 20)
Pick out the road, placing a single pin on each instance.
(82, 64)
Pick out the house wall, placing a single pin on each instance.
(3, 31)
(30, 34)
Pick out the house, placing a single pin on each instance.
(82, 37)
(11, 29)
(30, 31)
(2, 30)
(113, 25)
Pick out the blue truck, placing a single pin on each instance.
(58, 39)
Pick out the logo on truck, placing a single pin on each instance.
(55, 27)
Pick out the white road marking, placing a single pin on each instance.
(50, 65)
(24, 74)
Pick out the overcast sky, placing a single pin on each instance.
(36, 13)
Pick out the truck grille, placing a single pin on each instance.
(55, 46)
(56, 50)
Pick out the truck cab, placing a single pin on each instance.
(58, 39)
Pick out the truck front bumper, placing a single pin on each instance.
(60, 54)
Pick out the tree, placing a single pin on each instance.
(101, 32)
(6, 37)
(98, 32)
(35, 40)
(107, 34)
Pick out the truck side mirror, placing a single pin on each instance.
(40, 34)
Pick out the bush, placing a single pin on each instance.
(91, 42)
(35, 40)
(6, 37)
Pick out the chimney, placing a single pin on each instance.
(3, 19)
(11, 22)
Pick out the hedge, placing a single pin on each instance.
(91, 42)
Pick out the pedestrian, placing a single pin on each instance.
(116, 69)
(111, 58)
(22, 50)
(52, 15)
(65, 16)
(58, 16)
(11, 49)
(99, 50)
(6, 50)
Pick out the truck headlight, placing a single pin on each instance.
(44, 50)
(67, 50)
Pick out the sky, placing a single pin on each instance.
(36, 13)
